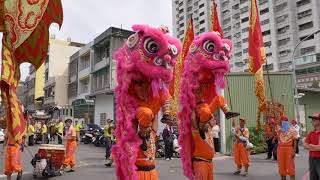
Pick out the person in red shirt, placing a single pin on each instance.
(312, 143)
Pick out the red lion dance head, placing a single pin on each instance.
(148, 57)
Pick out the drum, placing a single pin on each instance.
(55, 153)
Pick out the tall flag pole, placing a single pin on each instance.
(257, 57)
(215, 24)
(178, 69)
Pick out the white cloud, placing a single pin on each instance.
(84, 19)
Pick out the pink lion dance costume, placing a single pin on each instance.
(204, 70)
(145, 67)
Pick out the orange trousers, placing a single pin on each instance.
(12, 160)
(285, 161)
(241, 155)
(148, 175)
(203, 170)
(70, 159)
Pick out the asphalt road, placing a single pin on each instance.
(90, 165)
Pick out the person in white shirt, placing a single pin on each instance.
(215, 135)
(297, 128)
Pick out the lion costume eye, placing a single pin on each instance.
(151, 46)
(226, 47)
(209, 46)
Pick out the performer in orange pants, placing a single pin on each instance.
(241, 153)
(12, 159)
(71, 146)
(286, 145)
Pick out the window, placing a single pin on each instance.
(236, 16)
(244, 9)
(235, 7)
(73, 68)
(84, 61)
(245, 19)
(263, 11)
(308, 50)
(189, 9)
(302, 2)
(265, 33)
(201, 14)
(305, 14)
(245, 40)
(262, 2)
(226, 21)
(237, 35)
(239, 54)
(267, 44)
(46, 76)
(181, 4)
(245, 30)
(283, 29)
(236, 26)
(270, 67)
(267, 21)
(309, 38)
(237, 45)
(225, 4)
(180, 11)
(282, 18)
(243, 1)
(70, 112)
(202, 30)
(201, 6)
(102, 52)
(269, 54)
(225, 12)
(181, 18)
(227, 30)
(103, 118)
(100, 79)
(201, 22)
(284, 53)
(283, 41)
(281, 7)
(245, 50)
(305, 26)
(285, 65)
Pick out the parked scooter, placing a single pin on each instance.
(88, 137)
(98, 138)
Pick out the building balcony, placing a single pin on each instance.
(84, 73)
(49, 82)
(101, 64)
(49, 100)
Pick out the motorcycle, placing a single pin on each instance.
(88, 137)
(98, 138)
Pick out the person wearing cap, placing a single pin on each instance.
(297, 128)
(241, 153)
(71, 145)
(108, 136)
(286, 149)
(312, 143)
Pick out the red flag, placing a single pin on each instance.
(257, 57)
(178, 69)
(215, 24)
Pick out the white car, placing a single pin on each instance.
(1, 136)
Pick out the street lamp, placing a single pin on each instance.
(294, 77)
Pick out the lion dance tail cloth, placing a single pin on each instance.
(144, 70)
(25, 26)
(203, 73)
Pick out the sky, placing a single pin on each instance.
(86, 19)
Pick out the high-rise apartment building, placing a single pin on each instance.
(284, 23)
